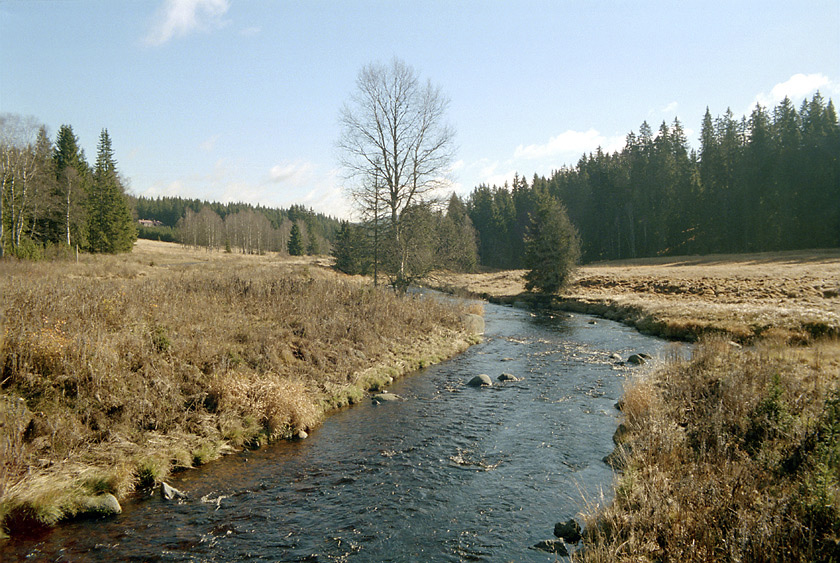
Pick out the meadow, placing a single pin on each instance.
(791, 295)
(117, 370)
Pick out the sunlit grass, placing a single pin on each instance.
(731, 456)
(137, 365)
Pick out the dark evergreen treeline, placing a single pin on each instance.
(770, 181)
(52, 200)
(243, 226)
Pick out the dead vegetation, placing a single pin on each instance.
(118, 370)
(733, 455)
(793, 295)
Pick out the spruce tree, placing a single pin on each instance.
(552, 248)
(110, 225)
(295, 245)
(72, 176)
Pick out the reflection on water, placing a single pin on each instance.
(454, 473)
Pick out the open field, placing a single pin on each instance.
(794, 295)
(117, 370)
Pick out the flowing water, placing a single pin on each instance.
(450, 473)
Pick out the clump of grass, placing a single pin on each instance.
(171, 367)
(730, 456)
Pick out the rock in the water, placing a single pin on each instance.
(384, 398)
(568, 531)
(507, 377)
(474, 323)
(636, 360)
(481, 380)
(302, 435)
(106, 504)
(170, 493)
(553, 546)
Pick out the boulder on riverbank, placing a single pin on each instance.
(638, 359)
(568, 531)
(474, 323)
(102, 505)
(481, 380)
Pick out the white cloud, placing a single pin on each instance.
(181, 17)
(570, 144)
(295, 174)
(797, 88)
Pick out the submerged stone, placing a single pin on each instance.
(385, 398)
(553, 546)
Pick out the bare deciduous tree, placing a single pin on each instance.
(21, 160)
(396, 147)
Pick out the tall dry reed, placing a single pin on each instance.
(733, 455)
(133, 370)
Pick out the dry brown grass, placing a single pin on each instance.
(731, 456)
(127, 367)
(795, 295)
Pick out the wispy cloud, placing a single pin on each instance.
(670, 108)
(798, 87)
(294, 174)
(569, 144)
(209, 144)
(176, 18)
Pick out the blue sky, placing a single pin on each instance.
(235, 100)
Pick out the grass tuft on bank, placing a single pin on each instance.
(115, 372)
(733, 455)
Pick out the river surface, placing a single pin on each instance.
(452, 473)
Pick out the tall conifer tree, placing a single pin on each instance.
(110, 225)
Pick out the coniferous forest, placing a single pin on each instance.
(768, 181)
(765, 182)
(51, 198)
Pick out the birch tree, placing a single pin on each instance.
(395, 142)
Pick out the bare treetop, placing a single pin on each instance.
(394, 136)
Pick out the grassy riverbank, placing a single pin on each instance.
(118, 370)
(792, 295)
(733, 455)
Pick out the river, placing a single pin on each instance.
(451, 473)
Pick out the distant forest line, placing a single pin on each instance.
(234, 226)
(770, 181)
(766, 182)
